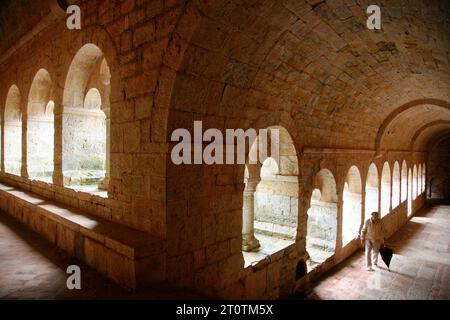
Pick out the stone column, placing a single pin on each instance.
(339, 220)
(58, 119)
(103, 185)
(24, 124)
(249, 242)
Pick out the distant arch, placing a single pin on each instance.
(13, 131)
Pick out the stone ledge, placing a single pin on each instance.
(130, 257)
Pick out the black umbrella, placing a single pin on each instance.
(386, 255)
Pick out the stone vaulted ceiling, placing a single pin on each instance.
(315, 62)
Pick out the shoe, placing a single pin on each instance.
(370, 269)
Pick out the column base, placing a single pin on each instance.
(250, 243)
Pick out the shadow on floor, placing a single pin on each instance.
(33, 268)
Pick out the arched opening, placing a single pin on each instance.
(13, 132)
(424, 180)
(371, 204)
(396, 185)
(322, 219)
(351, 212)
(86, 121)
(404, 191)
(410, 192)
(270, 203)
(40, 130)
(385, 190)
(414, 182)
(419, 179)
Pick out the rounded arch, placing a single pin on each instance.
(385, 203)
(93, 100)
(322, 219)
(414, 182)
(40, 127)
(40, 94)
(404, 182)
(407, 107)
(351, 211)
(424, 177)
(13, 110)
(410, 191)
(396, 185)
(371, 203)
(429, 131)
(419, 179)
(86, 101)
(13, 131)
(270, 197)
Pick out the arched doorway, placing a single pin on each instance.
(270, 202)
(13, 132)
(371, 204)
(86, 116)
(385, 204)
(396, 185)
(40, 130)
(322, 219)
(410, 192)
(404, 189)
(351, 211)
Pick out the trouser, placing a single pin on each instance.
(372, 249)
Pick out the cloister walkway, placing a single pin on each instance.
(420, 267)
(31, 268)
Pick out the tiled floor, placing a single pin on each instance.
(420, 268)
(31, 268)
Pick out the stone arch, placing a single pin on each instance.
(371, 203)
(410, 192)
(385, 201)
(322, 219)
(352, 200)
(13, 131)
(86, 109)
(40, 127)
(419, 179)
(404, 181)
(271, 198)
(425, 134)
(414, 182)
(424, 179)
(396, 185)
(403, 108)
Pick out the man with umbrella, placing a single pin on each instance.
(372, 234)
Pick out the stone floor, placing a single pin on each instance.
(32, 268)
(420, 268)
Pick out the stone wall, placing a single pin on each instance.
(314, 70)
(438, 171)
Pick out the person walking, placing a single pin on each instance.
(372, 235)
